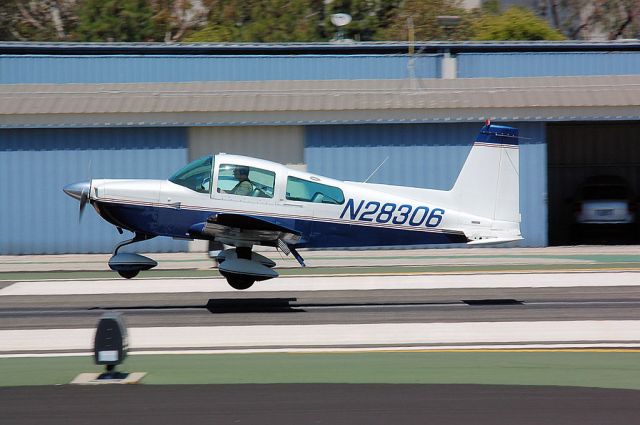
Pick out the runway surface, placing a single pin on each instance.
(368, 315)
(321, 404)
(409, 310)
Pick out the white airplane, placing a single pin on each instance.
(244, 202)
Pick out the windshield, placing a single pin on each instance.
(594, 193)
(196, 175)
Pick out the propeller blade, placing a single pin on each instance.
(84, 198)
(79, 191)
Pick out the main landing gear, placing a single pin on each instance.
(129, 265)
(242, 267)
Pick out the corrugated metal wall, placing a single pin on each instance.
(130, 69)
(580, 150)
(36, 217)
(127, 68)
(430, 156)
(473, 65)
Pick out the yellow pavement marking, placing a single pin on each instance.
(519, 350)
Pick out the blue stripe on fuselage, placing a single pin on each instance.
(172, 222)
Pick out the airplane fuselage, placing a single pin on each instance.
(364, 218)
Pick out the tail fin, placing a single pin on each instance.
(488, 185)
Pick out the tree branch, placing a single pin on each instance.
(28, 17)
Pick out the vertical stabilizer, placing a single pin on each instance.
(488, 185)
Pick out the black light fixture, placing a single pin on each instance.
(111, 344)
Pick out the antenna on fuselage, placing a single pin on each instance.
(376, 170)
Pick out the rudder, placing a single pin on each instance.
(488, 184)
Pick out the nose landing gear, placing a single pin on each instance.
(128, 265)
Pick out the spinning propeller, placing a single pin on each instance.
(80, 191)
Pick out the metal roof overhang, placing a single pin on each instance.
(319, 48)
(320, 102)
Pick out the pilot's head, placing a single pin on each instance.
(241, 173)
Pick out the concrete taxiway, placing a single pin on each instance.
(330, 312)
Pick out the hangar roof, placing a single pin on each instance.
(343, 48)
(316, 102)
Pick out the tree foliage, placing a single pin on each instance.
(516, 23)
(309, 20)
(370, 18)
(617, 18)
(38, 20)
(115, 20)
(420, 17)
(260, 21)
(585, 19)
(173, 19)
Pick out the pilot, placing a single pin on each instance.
(244, 186)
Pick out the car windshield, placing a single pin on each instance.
(196, 175)
(594, 193)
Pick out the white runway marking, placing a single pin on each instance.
(343, 335)
(584, 347)
(326, 283)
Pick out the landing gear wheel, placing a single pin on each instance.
(240, 284)
(130, 274)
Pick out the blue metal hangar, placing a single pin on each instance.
(70, 112)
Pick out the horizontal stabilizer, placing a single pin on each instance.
(494, 241)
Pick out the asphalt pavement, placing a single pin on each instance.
(293, 401)
(319, 404)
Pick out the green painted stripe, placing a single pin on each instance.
(586, 369)
(374, 270)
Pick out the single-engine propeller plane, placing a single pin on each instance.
(244, 202)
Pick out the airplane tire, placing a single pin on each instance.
(129, 274)
(240, 284)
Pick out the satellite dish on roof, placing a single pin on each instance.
(340, 19)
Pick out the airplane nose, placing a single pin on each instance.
(76, 190)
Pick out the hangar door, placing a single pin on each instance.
(578, 151)
(283, 144)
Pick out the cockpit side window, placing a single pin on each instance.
(196, 175)
(309, 191)
(243, 180)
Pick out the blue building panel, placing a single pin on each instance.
(36, 217)
(547, 64)
(428, 156)
(27, 69)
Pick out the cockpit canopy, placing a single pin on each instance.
(236, 177)
(195, 175)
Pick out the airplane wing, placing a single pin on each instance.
(234, 228)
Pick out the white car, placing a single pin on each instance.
(605, 200)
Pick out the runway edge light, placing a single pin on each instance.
(111, 344)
